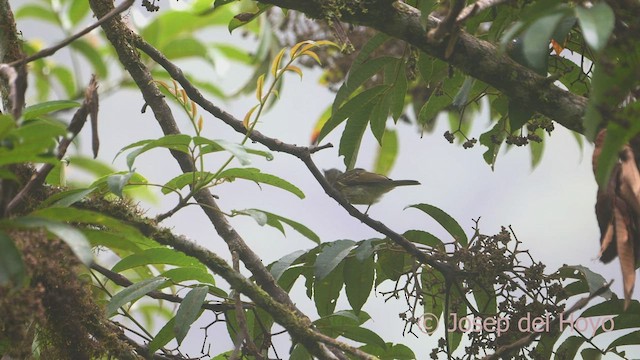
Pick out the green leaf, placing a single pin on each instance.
(178, 142)
(254, 174)
(357, 103)
(432, 108)
(188, 312)
(596, 23)
(518, 115)
(569, 347)
(594, 280)
(65, 78)
(396, 75)
(391, 352)
(90, 53)
(164, 256)
(379, 116)
(537, 149)
(181, 274)
(239, 20)
(78, 10)
(358, 281)
(299, 352)
(189, 178)
(163, 336)
(132, 293)
(37, 12)
(327, 291)
(185, 47)
(117, 182)
(387, 153)
(12, 269)
(363, 335)
(266, 218)
(352, 136)
(358, 76)
(487, 139)
(444, 219)
(34, 111)
(73, 237)
(68, 198)
(424, 238)
(239, 151)
(433, 298)
(632, 338)
(535, 41)
(279, 267)
(331, 256)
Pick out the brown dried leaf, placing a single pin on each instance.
(92, 101)
(624, 243)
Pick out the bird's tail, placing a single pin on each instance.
(405, 182)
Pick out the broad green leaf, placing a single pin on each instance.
(132, 293)
(390, 265)
(330, 256)
(190, 178)
(90, 53)
(239, 21)
(164, 256)
(363, 335)
(12, 269)
(266, 218)
(432, 107)
(181, 274)
(68, 198)
(358, 280)
(163, 336)
(365, 249)
(254, 174)
(358, 102)
(299, 352)
(73, 237)
(462, 97)
(537, 149)
(376, 41)
(596, 23)
(281, 265)
(424, 238)
(518, 115)
(591, 354)
(65, 78)
(34, 111)
(387, 153)
(444, 219)
(535, 41)
(117, 242)
(352, 136)
(78, 10)
(632, 338)
(489, 139)
(326, 291)
(188, 312)
(185, 47)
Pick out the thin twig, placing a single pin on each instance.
(477, 7)
(52, 50)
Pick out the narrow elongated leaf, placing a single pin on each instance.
(132, 293)
(188, 312)
(156, 256)
(181, 274)
(117, 182)
(73, 237)
(327, 291)
(12, 269)
(363, 335)
(387, 153)
(254, 174)
(536, 38)
(358, 102)
(163, 336)
(331, 256)
(179, 142)
(239, 151)
(352, 136)
(444, 219)
(33, 111)
(359, 76)
(190, 178)
(266, 218)
(518, 115)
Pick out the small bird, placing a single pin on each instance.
(361, 187)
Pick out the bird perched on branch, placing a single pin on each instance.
(361, 187)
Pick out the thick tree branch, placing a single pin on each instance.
(477, 58)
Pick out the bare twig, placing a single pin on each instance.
(120, 280)
(53, 49)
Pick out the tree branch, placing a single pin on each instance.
(476, 58)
